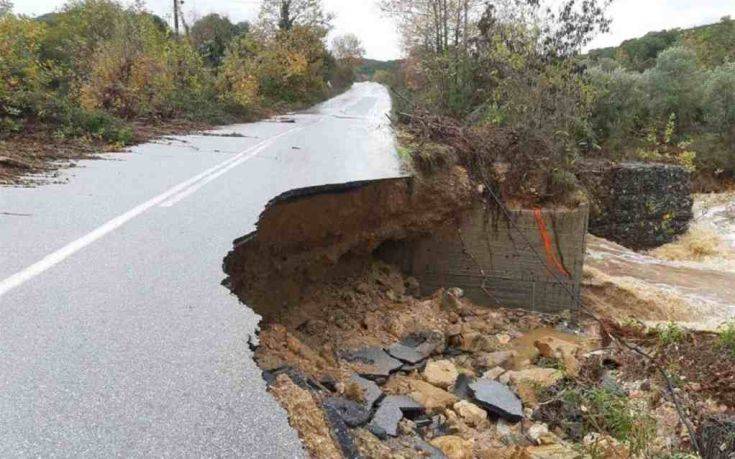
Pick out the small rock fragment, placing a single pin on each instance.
(472, 414)
(544, 377)
(441, 373)
(537, 432)
(431, 397)
(494, 359)
(498, 399)
(503, 338)
(493, 373)
(557, 451)
(454, 447)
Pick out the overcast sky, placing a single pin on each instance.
(631, 18)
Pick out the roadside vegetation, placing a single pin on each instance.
(101, 71)
(517, 68)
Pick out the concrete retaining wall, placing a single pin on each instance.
(513, 274)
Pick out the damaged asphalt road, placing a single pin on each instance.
(117, 336)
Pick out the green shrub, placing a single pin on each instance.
(607, 412)
(727, 337)
(669, 333)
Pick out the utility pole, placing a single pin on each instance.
(176, 17)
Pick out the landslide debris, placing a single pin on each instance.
(465, 380)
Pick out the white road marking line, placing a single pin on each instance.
(252, 152)
(65, 252)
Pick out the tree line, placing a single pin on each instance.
(94, 66)
(517, 67)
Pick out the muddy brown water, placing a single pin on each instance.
(701, 287)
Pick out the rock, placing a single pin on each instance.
(543, 377)
(311, 422)
(371, 392)
(376, 362)
(451, 301)
(390, 412)
(498, 399)
(427, 450)
(537, 432)
(413, 287)
(493, 373)
(494, 359)
(352, 413)
(454, 330)
(341, 432)
(405, 353)
(563, 350)
(556, 451)
(473, 415)
(441, 373)
(431, 397)
(503, 338)
(473, 341)
(454, 447)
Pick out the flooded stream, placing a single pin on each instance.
(690, 280)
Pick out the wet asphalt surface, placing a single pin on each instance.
(116, 336)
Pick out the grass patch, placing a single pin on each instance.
(580, 410)
(727, 337)
(669, 333)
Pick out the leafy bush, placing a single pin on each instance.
(289, 67)
(22, 74)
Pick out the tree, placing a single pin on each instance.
(348, 49)
(433, 24)
(6, 6)
(675, 87)
(212, 34)
(286, 14)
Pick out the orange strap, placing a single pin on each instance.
(543, 231)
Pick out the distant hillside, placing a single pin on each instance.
(714, 44)
(370, 66)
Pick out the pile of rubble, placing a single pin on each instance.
(380, 373)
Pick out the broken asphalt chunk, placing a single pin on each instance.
(498, 399)
(461, 386)
(405, 353)
(392, 409)
(370, 391)
(377, 363)
(426, 343)
(353, 414)
(341, 432)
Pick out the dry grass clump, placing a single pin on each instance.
(697, 244)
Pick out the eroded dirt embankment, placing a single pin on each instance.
(329, 233)
(366, 367)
